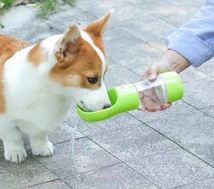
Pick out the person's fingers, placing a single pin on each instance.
(152, 73)
(156, 108)
(165, 106)
(150, 109)
(142, 109)
(153, 109)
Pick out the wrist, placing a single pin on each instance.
(175, 61)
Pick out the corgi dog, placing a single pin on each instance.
(38, 84)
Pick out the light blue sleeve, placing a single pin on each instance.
(195, 40)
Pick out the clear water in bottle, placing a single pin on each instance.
(151, 93)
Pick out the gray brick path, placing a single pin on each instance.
(136, 150)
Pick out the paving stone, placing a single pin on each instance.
(176, 15)
(192, 74)
(50, 185)
(144, 26)
(126, 138)
(18, 15)
(38, 33)
(63, 133)
(112, 177)
(176, 12)
(30, 28)
(1, 149)
(209, 111)
(195, 3)
(192, 130)
(205, 184)
(118, 75)
(89, 156)
(99, 8)
(22, 175)
(129, 51)
(176, 109)
(146, 4)
(207, 68)
(173, 168)
(199, 93)
(70, 16)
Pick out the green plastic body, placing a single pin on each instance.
(123, 98)
(174, 86)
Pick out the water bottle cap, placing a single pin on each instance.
(174, 86)
(123, 98)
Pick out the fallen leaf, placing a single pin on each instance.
(1, 5)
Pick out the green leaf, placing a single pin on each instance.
(1, 25)
(7, 3)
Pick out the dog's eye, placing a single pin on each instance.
(92, 80)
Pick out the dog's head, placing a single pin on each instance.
(81, 65)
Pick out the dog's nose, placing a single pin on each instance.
(106, 106)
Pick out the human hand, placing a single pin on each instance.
(151, 75)
(171, 61)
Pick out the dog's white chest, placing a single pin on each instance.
(42, 116)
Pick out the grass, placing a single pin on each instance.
(46, 7)
(49, 6)
(70, 2)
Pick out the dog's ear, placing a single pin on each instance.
(70, 41)
(98, 27)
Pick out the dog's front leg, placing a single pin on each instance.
(13, 144)
(41, 145)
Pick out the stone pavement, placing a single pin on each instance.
(136, 150)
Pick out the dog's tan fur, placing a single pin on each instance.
(8, 47)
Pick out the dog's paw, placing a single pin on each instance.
(16, 156)
(45, 150)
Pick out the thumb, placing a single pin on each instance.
(152, 74)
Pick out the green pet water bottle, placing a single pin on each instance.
(166, 88)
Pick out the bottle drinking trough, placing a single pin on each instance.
(166, 88)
